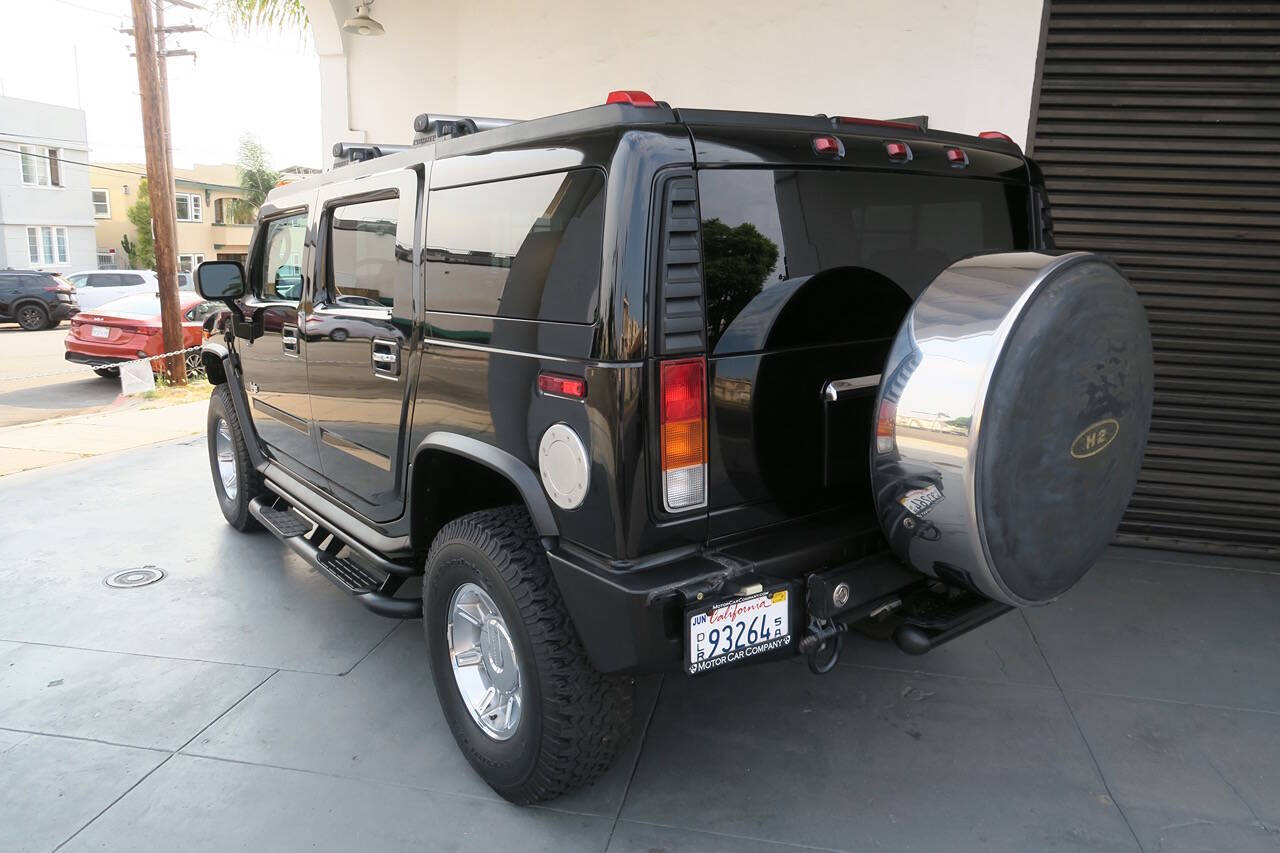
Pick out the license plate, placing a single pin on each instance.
(920, 501)
(733, 631)
(100, 331)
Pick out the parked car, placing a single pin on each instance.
(35, 300)
(98, 287)
(659, 390)
(129, 328)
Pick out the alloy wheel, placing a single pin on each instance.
(484, 662)
(225, 449)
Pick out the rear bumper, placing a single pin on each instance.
(63, 311)
(632, 619)
(94, 360)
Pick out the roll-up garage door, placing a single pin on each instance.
(1157, 125)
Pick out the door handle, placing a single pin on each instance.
(289, 341)
(384, 356)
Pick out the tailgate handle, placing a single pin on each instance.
(385, 357)
(837, 389)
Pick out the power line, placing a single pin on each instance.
(75, 162)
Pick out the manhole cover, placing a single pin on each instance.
(130, 578)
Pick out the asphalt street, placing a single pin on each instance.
(37, 383)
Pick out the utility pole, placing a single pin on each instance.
(160, 185)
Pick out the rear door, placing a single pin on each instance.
(358, 334)
(273, 365)
(808, 274)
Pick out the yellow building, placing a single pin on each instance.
(208, 228)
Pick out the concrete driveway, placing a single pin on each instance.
(244, 703)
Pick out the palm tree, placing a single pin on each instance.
(266, 14)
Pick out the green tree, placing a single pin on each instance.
(737, 262)
(266, 14)
(256, 178)
(142, 249)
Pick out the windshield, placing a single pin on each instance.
(767, 233)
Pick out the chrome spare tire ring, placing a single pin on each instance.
(224, 448)
(483, 658)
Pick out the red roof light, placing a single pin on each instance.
(995, 134)
(957, 157)
(634, 97)
(875, 122)
(827, 145)
(899, 151)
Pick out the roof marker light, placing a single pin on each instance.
(876, 122)
(995, 134)
(828, 145)
(957, 157)
(898, 151)
(634, 97)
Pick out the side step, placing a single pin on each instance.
(372, 579)
(930, 620)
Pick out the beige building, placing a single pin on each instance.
(208, 228)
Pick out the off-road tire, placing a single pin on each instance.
(249, 481)
(32, 317)
(574, 719)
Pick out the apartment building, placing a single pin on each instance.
(46, 218)
(211, 226)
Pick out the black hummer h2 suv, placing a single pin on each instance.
(637, 388)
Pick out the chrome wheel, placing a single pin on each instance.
(195, 364)
(484, 661)
(226, 452)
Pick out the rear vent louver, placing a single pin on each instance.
(681, 324)
(1044, 218)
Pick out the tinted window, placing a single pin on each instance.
(362, 254)
(820, 244)
(280, 271)
(527, 248)
(130, 279)
(203, 309)
(103, 280)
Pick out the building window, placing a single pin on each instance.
(232, 211)
(40, 166)
(106, 259)
(101, 204)
(189, 207)
(47, 245)
(188, 263)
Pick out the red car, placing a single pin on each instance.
(129, 328)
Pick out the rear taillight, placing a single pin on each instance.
(141, 330)
(684, 433)
(59, 288)
(885, 419)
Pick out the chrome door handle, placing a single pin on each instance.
(289, 341)
(384, 356)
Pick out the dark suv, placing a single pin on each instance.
(641, 389)
(35, 300)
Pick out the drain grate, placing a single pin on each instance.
(130, 578)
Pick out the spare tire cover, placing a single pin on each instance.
(1011, 420)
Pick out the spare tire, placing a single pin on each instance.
(1011, 420)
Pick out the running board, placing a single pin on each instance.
(371, 579)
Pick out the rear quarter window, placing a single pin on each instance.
(525, 248)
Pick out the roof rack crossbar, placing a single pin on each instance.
(345, 153)
(429, 127)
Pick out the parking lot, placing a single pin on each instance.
(244, 703)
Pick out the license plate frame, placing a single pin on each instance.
(744, 616)
(100, 331)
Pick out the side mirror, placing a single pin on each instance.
(220, 280)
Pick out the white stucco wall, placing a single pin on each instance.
(967, 64)
(70, 205)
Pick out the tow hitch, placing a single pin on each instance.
(883, 598)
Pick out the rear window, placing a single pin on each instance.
(768, 234)
(143, 304)
(527, 248)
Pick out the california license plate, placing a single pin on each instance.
(99, 331)
(733, 631)
(920, 501)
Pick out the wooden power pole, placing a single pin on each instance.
(160, 185)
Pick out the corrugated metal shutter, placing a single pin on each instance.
(1158, 129)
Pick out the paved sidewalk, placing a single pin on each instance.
(129, 424)
(245, 703)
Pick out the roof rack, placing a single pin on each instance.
(345, 153)
(429, 127)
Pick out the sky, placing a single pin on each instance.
(68, 52)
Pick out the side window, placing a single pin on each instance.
(527, 248)
(103, 279)
(78, 280)
(130, 279)
(280, 272)
(363, 259)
